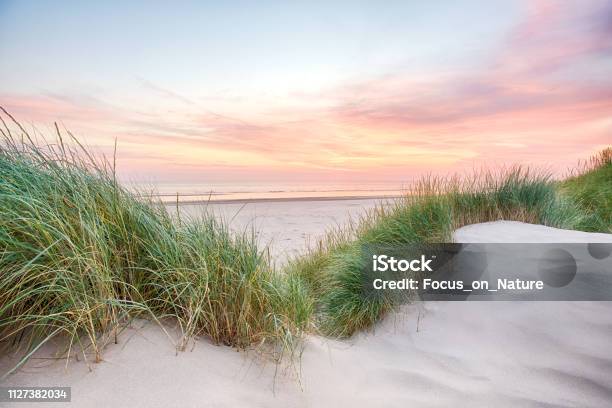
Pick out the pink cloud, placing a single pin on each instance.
(533, 101)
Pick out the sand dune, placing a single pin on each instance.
(436, 354)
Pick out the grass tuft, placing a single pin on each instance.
(591, 188)
(80, 256)
(434, 209)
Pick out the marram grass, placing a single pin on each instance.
(333, 269)
(80, 256)
(590, 186)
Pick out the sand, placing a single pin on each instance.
(435, 354)
(285, 227)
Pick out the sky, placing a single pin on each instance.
(313, 91)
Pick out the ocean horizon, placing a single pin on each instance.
(273, 191)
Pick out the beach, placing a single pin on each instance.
(433, 354)
(288, 226)
(306, 204)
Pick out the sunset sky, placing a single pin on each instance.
(347, 91)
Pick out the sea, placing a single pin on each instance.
(172, 192)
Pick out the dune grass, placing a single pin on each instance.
(333, 270)
(591, 188)
(80, 257)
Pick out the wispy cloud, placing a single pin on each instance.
(540, 97)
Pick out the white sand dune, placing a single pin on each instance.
(519, 232)
(437, 354)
